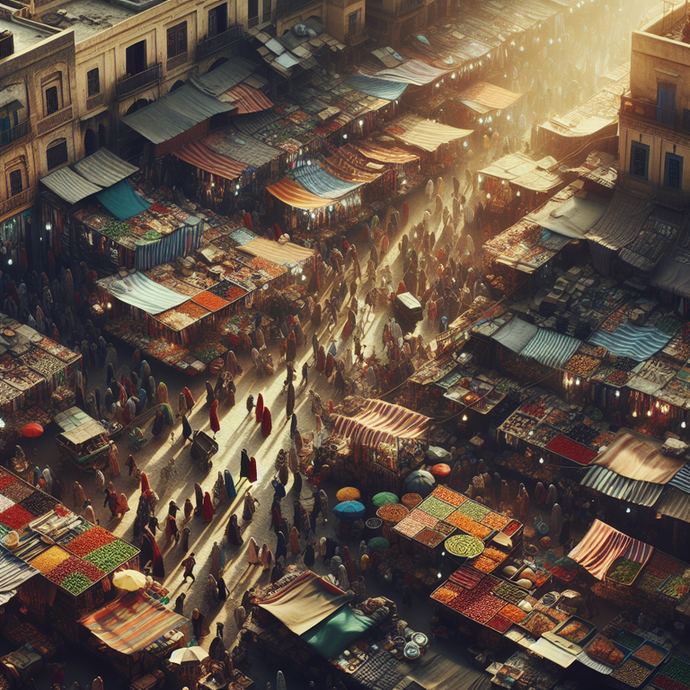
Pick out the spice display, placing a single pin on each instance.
(392, 512)
(631, 673)
(650, 653)
(409, 527)
(571, 450)
(5, 480)
(76, 583)
(674, 586)
(438, 509)
(447, 593)
(675, 675)
(464, 546)
(210, 301)
(423, 518)
(509, 592)
(449, 496)
(89, 541)
(499, 623)
(474, 510)
(477, 606)
(538, 623)
(16, 517)
(534, 409)
(648, 583)
(489, 560)
(603, 650)
(466, 577)
(74, 565)
(495, 521)
(624, 571)
(444, 528)
(429, 537)
(629, 640)
(582, 365)
(17, 491)
(512, 527)
(38, 503)
(112, 555)
(618, 378)
(574, 631)
(49, 559)
(467, 524)
(513, 613)
(662, 565)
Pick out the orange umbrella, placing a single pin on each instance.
(348, 493)
(32, 430)
(440, 470)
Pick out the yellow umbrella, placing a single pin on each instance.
(348, 493)
(129, 580)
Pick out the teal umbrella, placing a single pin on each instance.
(379, 544)
(349, 511)
(384, 497)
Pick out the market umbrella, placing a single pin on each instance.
(440, 469)
(129, 580)
(379, 544)
(32, 430)
(348, 493)
(420, 482)
(188, 654)
(384, 497)
(349, 511)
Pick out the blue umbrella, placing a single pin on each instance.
(420, 482)
(349, 511)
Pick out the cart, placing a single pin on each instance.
(409, 309)
(203, 447)
(85, 446)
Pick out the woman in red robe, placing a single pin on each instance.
(207, 511)
(252, 468)
(259, 409)
(321, 359)
(266, 423)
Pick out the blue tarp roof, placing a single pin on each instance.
(122, 201)
(550, 348)
(636, 342)
(379, 88)
(331, 636)
(607, 482)
(316, 180)
(682, 479)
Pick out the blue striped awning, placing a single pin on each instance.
(607, 482)
(550, 348)
(317, 181)
(379, 88)
(13, 573)
(681, 480)
(636, 342)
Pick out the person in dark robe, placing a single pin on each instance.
(232, 531)
(199, 496)
(230, 489)
(250, 403)
(281, 547)
(207, 511)
(321, 359)
(259, 410)
(309, 555)
(290, 404)
(186, 429)
(184, 542)
(244, 463)
(293, 425)
(297, 483)
(198, 623)
(266, 423)
(222, 589)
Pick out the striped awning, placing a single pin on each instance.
(104, 168)
(607, 482)
(636, 342)
(132, 622)
(424, 134)
(412, 72)
(602, 545)
(385, 154)
(201, 156)
(674, 503)
(339, 166)
(489, 95)
(379, 88)
(280, 253)
(13, 573)
(318, 181)
(682, 480)
(69, 185)
(382, 422)
(294, 194)
(246, 99)
(550, 348)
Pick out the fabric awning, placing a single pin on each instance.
(672, 275)
(70, 186)
(175, 113)
(602, 545)
(287, 253)
(337, 632)
(316, 180)
(381, 422)
(550, 348)
(143, 293)
(424, 134)
(674, 503)
(522, 171)
(122, 201)
(104, 168)
(635, 459)
(344, 168)
(226, 76)
(573, 218)
(412, 72)
(13, 573)
(82, 433)
(490, 96)
(516, 334)
(304, 602)
(242, 148)
(681, 480)
(385, 154)
(379, 88)
(200, 156)
(246, 99)
(294, 194)
(132, 622)
(607, 482)
(622, 221)
(628, 340)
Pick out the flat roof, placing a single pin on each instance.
(24, 36)
(86, 17)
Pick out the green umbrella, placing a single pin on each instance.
(384, 497)
(379, 544)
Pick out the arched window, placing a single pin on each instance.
(16, 177)
(56, 153)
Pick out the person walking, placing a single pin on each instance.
(305, 374)
(188, 565)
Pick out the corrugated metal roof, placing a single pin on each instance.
(69, 185)
(104, 168)
(675, 504)
(229, 74)
(175, 113)
(607, 482)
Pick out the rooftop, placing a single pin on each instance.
(25, 35)
(89, 17)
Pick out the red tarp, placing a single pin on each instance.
(294, 194)
(246, 99)
(200, 156)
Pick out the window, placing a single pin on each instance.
(52, 100)
(686, 120)
(15, 178)
(56, 153)
(666, 103)
(353, 23)
(253, 12)
(673, 171)
(639, 160)
(217, 20)
(267, 10)
(93, 82)
(177, 41)
(136, 58)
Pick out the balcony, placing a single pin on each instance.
(213, 44)
(136, 82)
(17, 201)
(648, 111)
(15, 133)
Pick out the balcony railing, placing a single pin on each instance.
(17, 201)
(404, 6)
(648, 111)
(213, 44)
(149, 76)
(14, 133)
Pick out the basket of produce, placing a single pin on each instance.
(392, 512)
(632, 673)
(651, 653)
(624, 571)
(464, 546)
